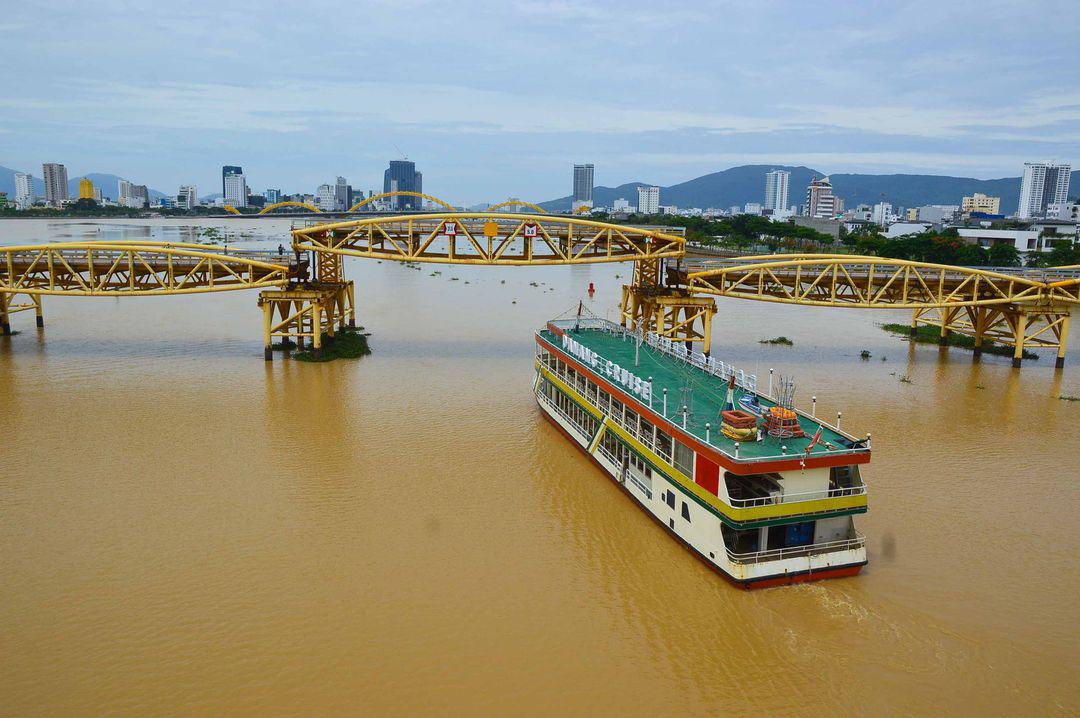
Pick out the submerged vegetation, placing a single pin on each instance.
(931, 335)
(778, 340)
(347, 343)
(1065, 397)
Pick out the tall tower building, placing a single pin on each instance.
(24, 190)
(229, 170)
(776, 191)
(648, 200)
(583, 186)
(236, 190)
(56, 183)
(820, 201)
(86, 188)
(401, 176)
(1044, 183)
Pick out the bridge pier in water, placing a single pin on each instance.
(306, 312)
(1019, 326)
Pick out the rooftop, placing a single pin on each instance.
(709, 391)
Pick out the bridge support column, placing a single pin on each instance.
(1019, 329)
(350, 297)
(316, 329)
(268, 339)
(980, 330)
(5, 315)
(1063, 339)
(37, 310)
(915, 314)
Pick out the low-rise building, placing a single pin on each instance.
(899, 229)
(1025, 240)
(980, 202)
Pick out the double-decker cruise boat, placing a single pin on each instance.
(761, 492)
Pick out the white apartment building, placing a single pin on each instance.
(1043, 184)
(621, 205)
(882, 214)
(648, 200)
(24, 190)
(187, 197)
(1025, 240)
(236, 190)
(752, 208)
(56, 183)
(776, 191)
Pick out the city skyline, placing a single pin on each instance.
(70, 103)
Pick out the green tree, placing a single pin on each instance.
(1004, 254)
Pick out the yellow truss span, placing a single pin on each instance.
(133, 269)
(488, 238)
(842, 280)
(231, 209)
(517, 203)
(402, 193)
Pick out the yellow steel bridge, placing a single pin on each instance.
(304, 293)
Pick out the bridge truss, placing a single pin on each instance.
(668, 295)
(1016, 307)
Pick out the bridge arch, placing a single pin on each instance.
(401, 193)
(517, 203)
(303, 205)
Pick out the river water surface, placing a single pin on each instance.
(187, 530)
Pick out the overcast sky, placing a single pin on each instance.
(499, 99)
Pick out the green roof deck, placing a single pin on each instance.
(709, 392)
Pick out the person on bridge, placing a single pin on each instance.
(280, 250)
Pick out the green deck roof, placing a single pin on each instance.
(709, 392)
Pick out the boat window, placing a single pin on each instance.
(592, 393)
(616, 410)
(685, 511)
(684, 459)
(602, 400)
(631, 422)
(646, 433)
(669, 499)
(663, 445)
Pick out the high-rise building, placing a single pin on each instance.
(583, 187)
(776, 191)
(1044, 183)
(187, 197)
(342, 190)
(236, 190)
(326, 198)
(648, 200)
(56, 183)
(980, 202)
(225, 172)
(820, 201)
(135, 196)
(273, 196)
(24, 190)
(401, 176)
(86, 188)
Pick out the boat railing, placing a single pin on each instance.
(777, 497)
(778, 554)
(544, 398)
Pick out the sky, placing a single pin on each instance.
(500, 99)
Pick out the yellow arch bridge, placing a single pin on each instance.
(305, 294)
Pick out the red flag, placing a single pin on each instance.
(814, 441)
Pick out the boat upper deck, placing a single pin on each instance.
(708, 381)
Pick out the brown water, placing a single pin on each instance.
(186, 530)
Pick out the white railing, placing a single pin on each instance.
(778, 554)
(698, 360)
(543, 397)
(781, 498)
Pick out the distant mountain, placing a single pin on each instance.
(739, 185)
(105, 182)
